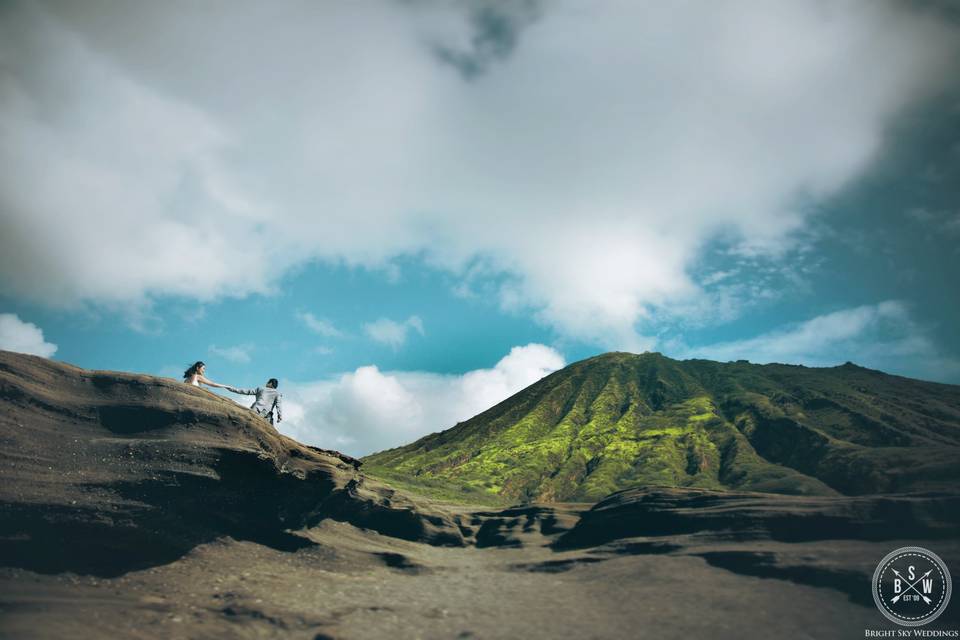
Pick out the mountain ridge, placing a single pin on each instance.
(619, 420)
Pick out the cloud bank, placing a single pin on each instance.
(586, 154)
(369, 410)
(883, 336)
(23, 337)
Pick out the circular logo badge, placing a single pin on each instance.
(911, 586)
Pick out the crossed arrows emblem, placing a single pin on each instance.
(912, 586)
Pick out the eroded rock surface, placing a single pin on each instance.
(104, 472)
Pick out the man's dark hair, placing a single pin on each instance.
(272, 383)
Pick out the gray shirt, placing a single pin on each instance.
(267, 399)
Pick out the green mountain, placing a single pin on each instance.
(621, 420)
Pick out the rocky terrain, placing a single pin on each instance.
(134, 506)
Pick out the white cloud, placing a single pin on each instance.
(391, 332)
(135, 199)
(881, 336)
(589, 159)
(369, 410)
(239, 353)
(23, 337)
(320, 326)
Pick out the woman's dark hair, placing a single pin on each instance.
(195, 367)
(272, 383)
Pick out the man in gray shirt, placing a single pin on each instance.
(268, 398)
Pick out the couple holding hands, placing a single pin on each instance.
(268, 398)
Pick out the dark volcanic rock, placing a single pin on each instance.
(756, 516)
(104, 472)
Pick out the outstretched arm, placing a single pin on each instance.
(279, 405)
(210, 383)
(243, 392)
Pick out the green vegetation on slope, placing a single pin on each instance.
(622, 420)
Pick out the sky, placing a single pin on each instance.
(409, 210)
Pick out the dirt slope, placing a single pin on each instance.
(104, 472)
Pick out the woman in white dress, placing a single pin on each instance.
(194, 375)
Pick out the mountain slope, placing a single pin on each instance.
(620, 420)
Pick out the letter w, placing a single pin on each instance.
(928, 585)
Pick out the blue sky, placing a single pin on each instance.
(407, 212)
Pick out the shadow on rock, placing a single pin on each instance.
(754, 516)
